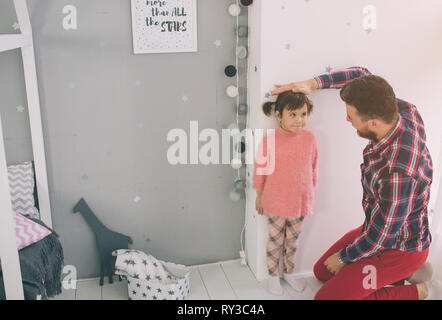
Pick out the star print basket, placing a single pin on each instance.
(175, 287)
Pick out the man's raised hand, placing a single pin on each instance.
(306, 87)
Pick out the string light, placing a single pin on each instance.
(239, 184)
(241, 109)
(234, 10)
(236, 163)
(241, 52)
(230, 71)
(242, 31)
(246, 2)
(232, 91)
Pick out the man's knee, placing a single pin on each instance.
(333, 293)
(324, 294)
(320, 295)
(317, 271)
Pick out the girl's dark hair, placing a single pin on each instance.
(290, 100)
(372, 96)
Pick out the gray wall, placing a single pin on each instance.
(106, 113)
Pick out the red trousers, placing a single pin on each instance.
(366, 279)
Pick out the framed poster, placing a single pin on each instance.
(164, 26)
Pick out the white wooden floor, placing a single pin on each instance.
(220, 281)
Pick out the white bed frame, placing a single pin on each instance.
(8, 248)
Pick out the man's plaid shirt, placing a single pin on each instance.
(396, 177)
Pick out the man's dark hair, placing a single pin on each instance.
(372, 96)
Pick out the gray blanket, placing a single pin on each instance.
(41, 267)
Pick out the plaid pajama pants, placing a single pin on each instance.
(283, 234)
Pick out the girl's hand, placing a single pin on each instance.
(306, 87)
(258, 205)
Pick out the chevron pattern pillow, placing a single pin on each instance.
(27, 231)
(21, 185)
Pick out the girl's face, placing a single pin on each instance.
(293, 120)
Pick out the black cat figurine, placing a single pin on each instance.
(107, 240)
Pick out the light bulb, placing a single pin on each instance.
(246, 2)
(243, 31)
(241, 52)
(241, 109)
(236, 163)
(230, 71)
(234, 10)
(240, 185)
(232, 91)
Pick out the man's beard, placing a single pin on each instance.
(368, 135)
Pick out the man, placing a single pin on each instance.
(392, 244)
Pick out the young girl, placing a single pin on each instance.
(285, 193)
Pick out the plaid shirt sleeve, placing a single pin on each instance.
(394, 204)
(339, 78)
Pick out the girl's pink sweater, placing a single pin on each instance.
(288, 190)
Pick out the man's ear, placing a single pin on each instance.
(374, 123)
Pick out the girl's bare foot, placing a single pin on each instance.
(431, 290)
(423, 274)
(422, 291)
